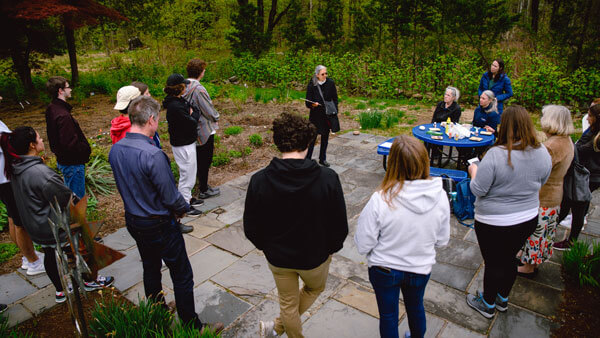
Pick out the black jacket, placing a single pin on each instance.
(65, 136)
(35, 187)
(317, 114)
(295, 213)
(182, 125)
(442, 113)
(587, 156)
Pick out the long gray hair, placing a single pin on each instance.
(317, 70)
(494, 104)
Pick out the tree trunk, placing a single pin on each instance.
(535, 15)
(21, 63)
(581, 36)
(260, 16)
(70, 36)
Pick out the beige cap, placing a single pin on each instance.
(125, 95)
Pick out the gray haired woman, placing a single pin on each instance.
(321, 89)
(486, 114)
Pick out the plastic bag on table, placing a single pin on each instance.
(461, 131)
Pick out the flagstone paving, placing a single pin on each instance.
(233, 283)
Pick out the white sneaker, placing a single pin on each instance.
(36, 267)
(567, 221)
(24, 263)
(265, 329)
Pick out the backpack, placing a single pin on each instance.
(449, 186)
(464, 203)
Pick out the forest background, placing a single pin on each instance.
(373, 48)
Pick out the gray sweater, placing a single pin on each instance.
(502, 190)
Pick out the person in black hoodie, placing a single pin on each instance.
(182, 121)
(588, 152)
(321, 89)
(295, 213)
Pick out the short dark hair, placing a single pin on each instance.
(141, 108)
(54, 84)
(140, 85)
(292, 132)
(195, 67)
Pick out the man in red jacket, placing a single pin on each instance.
(65, 136)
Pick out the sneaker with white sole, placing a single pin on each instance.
(60, 297)
(24, 263)
(501, 303)
(37, 267)
(266, 329)
(479, 304)
(99, 283)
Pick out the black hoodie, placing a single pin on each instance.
(182, 124)
(295, 212)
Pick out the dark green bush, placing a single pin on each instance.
(583, 263)
(7, 251)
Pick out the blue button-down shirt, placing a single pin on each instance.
(144, 178)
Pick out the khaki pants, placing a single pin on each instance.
(292, 301)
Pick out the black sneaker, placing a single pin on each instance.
(3, 307)
(196, 202)
(501, 303)
(60, 297)
(477, 303)
(324, 163)
(208, 194)
(99, 283)
(185, 229)
(194, 212)
(215, 189)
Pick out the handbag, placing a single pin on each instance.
(464, 204)
(576, 184)
(330, 108)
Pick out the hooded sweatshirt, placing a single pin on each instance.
(182, 125)
(36, 186)
(295, 213)
(119, 126)
(403, 236)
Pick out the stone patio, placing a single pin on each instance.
(233, 283)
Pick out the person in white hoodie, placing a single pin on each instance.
(399, 228)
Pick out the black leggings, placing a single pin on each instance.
(52, 268)
(579, 210)
(499, 246)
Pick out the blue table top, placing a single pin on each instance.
(384, 147)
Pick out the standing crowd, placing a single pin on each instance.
(518, 184)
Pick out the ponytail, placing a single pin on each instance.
(14, 145)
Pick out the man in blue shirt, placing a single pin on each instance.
(152, 206)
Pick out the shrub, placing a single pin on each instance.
(370, 120)
(220, 159)
(361, 106)
(99, 177)
(116, 318)
(390, 120)
(256, 140)
(233, 130)
(246, 151)
(7, 251)
(582, 263)
(3, 216)
(235, 154)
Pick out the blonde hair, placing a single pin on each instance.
(408, 160)
(556, 120)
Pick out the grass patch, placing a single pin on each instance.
(3, 216)
(233, 130)
(361, 106)
(220, 159)
(7, 251)
(370, 119)
(235, 154)
(256, 140)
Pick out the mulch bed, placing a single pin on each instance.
(579, 313)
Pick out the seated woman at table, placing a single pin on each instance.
(486, 114)
(448, 108)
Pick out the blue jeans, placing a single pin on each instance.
(160, 238)
(387, 286)
(74, 176)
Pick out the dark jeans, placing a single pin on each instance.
(578, 209)
(160, 238)
(499, 246)
(204, 156)
(323, 151)
(387, 286)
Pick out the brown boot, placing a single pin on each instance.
(215, 328)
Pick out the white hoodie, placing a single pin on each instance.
(404, 236)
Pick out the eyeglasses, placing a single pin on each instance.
(67, 87)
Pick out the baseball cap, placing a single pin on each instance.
(125, 95)
(175, 79)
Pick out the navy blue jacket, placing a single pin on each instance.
(482, 119)
(143, 176)
(502, 89)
